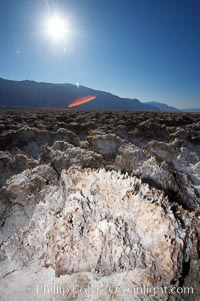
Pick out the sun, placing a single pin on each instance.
(57, 28)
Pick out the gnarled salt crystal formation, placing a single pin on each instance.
(106, 202)
(95, 224)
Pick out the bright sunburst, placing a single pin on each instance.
(57, 28)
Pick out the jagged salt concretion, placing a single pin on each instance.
(177, 185)
(62, 155)
(19, 197)
(97, 223)
(13, 164)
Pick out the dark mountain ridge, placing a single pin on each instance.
(31, 94)
(162, 106)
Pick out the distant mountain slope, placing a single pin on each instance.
(30, 94)
(162, 106)
(191, 110)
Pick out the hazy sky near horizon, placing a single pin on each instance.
(145, 49)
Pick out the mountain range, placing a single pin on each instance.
(31, 94)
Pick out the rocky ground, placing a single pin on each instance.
(98, 205)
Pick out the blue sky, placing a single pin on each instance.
(145, 49)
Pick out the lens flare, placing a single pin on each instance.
(81, 101)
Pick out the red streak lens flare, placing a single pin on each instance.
(81, 101)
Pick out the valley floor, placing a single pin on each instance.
(99, 205)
